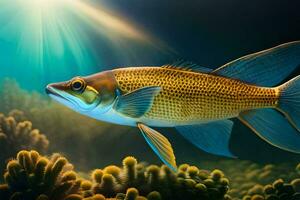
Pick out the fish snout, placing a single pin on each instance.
(54, 88)
(49, 89)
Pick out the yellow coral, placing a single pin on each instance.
(39, 177)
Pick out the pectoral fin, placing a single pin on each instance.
(212, 137)
(135, 104)
(160, 145)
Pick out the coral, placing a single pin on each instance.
(154, 182)
(34, 177)
(248, 179)
(31, 176)
(279, 190)
(18, 115)
(16, 134)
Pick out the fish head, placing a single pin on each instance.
(84, 94)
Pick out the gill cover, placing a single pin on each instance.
(88, 96)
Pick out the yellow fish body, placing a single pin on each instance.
(189, 97)
(199, 102)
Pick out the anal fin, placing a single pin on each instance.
(211, 137)
(273, 127)
(160, 145)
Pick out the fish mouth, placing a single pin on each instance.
(57, 95)
(50, 90)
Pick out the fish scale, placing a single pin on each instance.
(188, 96)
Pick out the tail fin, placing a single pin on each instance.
(274, 126)
(289, 101)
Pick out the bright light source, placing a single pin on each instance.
(103, 18)
(47, 31)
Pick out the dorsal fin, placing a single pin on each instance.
(187, 66)
(265, 68)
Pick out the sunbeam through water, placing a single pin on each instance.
(50, 38)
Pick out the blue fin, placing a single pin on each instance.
(187, 66)
(266, 68)
(135, 104)
(212, 137)
(289, 101)
(160, 145)
(273, 127)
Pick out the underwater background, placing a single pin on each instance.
(43, 41)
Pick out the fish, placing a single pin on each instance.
(199, 102)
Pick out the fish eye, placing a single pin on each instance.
(78, 85)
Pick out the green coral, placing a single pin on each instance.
(33, 177)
